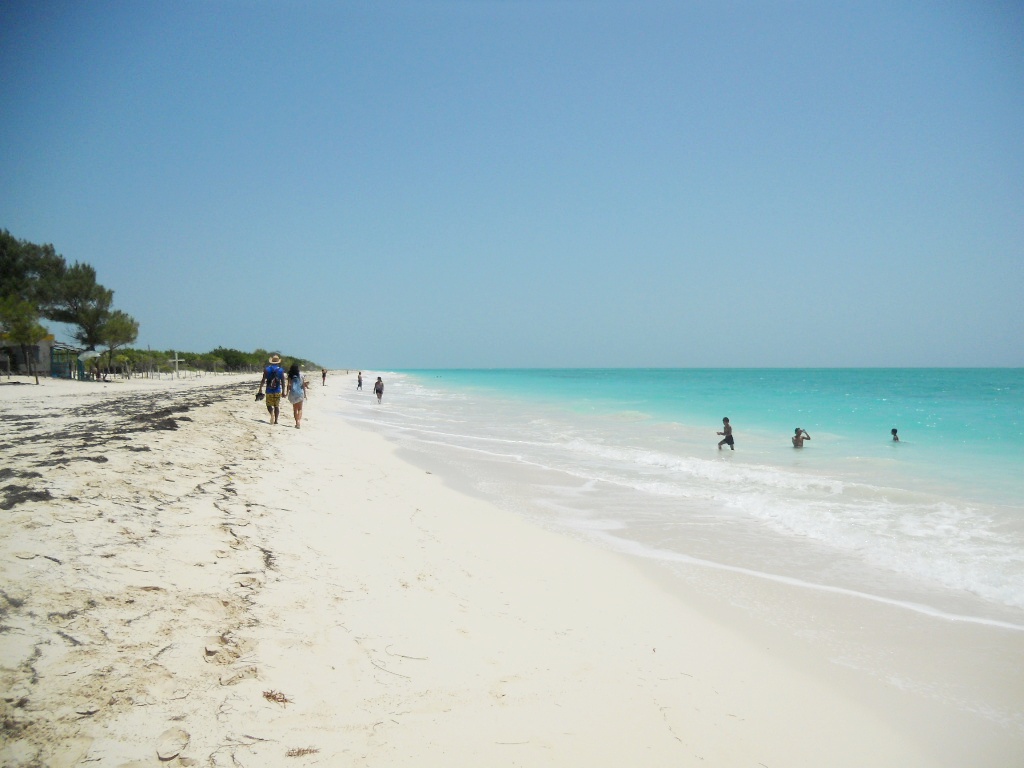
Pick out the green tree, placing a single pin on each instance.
(124, 364)
(80, 301)
(36, 281)
(233, 358)
(19, 320)
(29, 271)
(118, 330)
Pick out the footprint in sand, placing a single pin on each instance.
(172, 742)
(238, 677)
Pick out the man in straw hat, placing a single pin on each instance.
(273, 377)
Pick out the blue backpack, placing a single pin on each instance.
(275, 378)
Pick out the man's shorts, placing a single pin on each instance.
(273, 400)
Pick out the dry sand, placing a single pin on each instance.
(184, 584)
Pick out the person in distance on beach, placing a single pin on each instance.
(378, 389)
(296, 392)
(727, 432)
(359, 381)
(895, 437)
(799, 436)
(323, 375)
(273, 378)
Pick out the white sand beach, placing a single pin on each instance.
(184, 584)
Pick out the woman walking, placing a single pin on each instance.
(296, 392)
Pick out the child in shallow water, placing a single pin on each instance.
(895, 437)
(727, 432)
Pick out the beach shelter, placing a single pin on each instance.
(64, 362)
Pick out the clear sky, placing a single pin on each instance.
(490, 184)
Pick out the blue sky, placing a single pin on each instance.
(478, 184)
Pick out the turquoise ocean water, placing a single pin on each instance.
(934, 523)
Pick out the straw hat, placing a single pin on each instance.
(275, 359)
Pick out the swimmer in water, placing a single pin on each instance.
(727, 432)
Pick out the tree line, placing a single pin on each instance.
(222, 359)
(37, 284)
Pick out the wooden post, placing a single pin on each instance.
(175, 360)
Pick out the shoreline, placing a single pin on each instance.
(876, 652)
(273, 593)
(957, 684)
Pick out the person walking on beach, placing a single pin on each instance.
(323, 375)
(895, 437)
(273, 378)
(727, 432)
(799, 436)
(378, 389)
(296, 392)
(359, 381)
